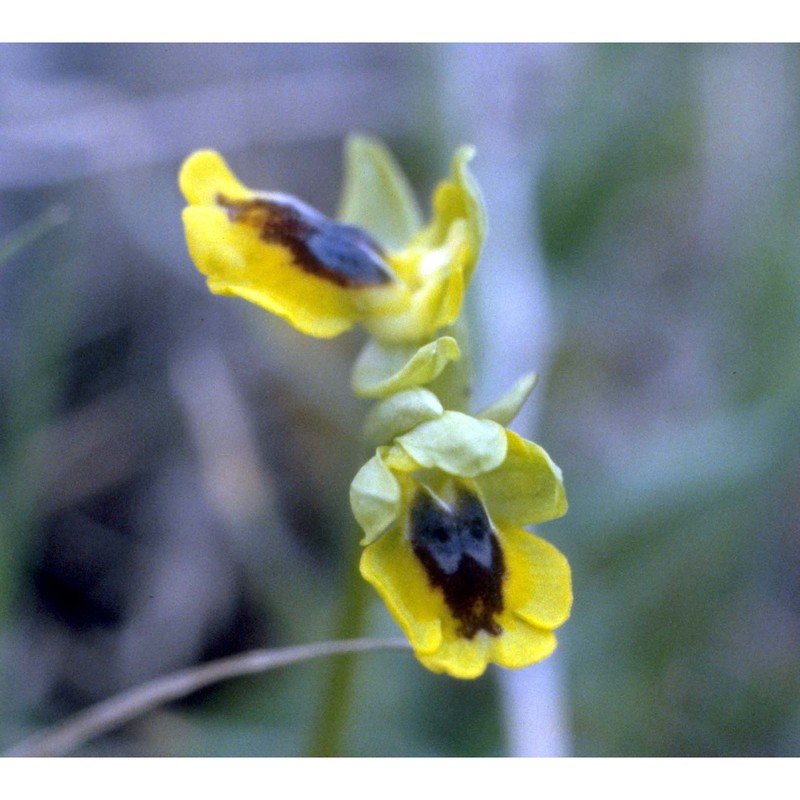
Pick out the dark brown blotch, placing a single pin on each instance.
(462, 557)
(342, 254)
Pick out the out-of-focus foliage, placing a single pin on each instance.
(670, 208)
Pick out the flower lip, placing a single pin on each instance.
(460, 553)
(342, 254)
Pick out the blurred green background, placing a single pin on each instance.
(174, 466)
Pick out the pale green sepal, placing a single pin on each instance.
(508, 406)
(456, 443)
(400, 413)
(376, 194)
(459, 198)
(398, 459)
(384, 369)
(527, 488)
(374, 498)
(473, 201)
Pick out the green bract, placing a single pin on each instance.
(400, 413)
(508, 406)
(382, 370)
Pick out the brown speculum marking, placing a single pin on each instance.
(462, 557)
(339, 253)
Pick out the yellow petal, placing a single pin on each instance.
(539, 585)
(519, 645)
(460, 658)
(457, 199)
(390, 565)
(204, 175)
(237, 262)
(277, 252)
(536, 594)
(436, 284)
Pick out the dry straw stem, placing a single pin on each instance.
(67, 736)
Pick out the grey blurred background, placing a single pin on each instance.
(174, 466)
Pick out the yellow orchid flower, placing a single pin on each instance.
(324, 276)
(442, 508)
(444, 499)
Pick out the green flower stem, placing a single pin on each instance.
(453, 385)
(338, 684)
(336, 700)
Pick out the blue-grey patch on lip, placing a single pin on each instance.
(342, 254)
(461, 555)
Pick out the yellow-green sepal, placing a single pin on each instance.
(435, 265)
(383, 369)
(458, 198)
(376, 194)
(506, 408)
(375, 498)
(456, 443)
(400, 413)
(527, 488)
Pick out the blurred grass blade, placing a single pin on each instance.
(33, 230)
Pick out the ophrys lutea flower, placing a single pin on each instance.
(322, 275)
(443, 507)
(444, 500)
